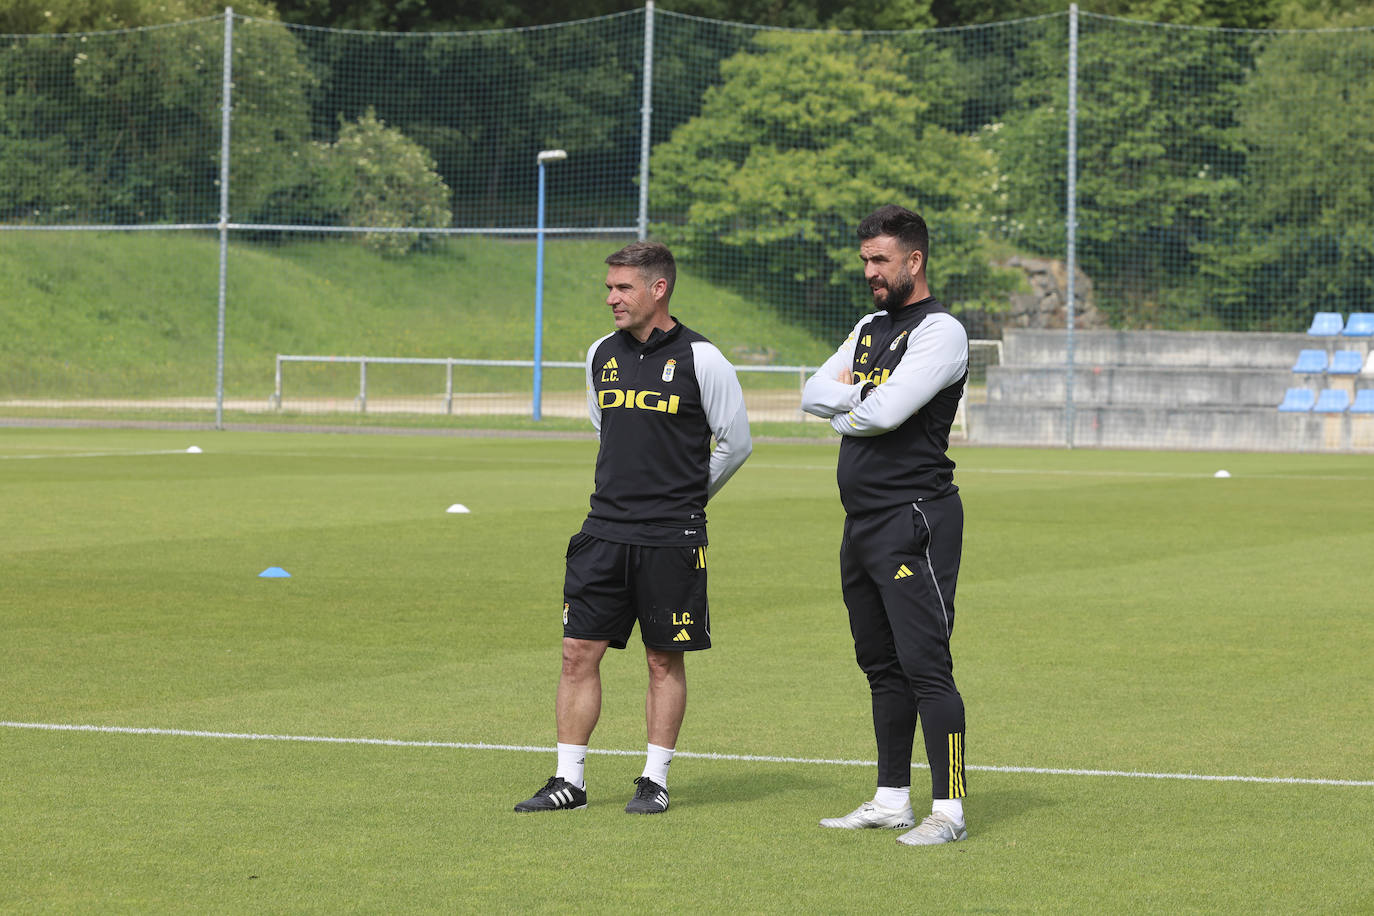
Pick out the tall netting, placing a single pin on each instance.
(109, 129)
(112, 128)
(1222, 202)
(762, 172)
(442, 129)
(380, 232)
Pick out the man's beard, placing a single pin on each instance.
(897, 293)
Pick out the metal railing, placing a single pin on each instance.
(800, 371)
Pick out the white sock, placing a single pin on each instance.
(952, 808)
(572, 763)
(656, 764)
(892, 798)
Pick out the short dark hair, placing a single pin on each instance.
(902, 224)
(653, 259)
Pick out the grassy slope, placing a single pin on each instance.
(135, 314)
(1117, 610)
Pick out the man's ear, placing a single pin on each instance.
(915, 262)
(659, 288)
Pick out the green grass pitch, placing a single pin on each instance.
(1123, 618)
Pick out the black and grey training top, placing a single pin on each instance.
(913, 362)
(655, 406)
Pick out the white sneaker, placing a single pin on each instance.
(870, 815)
(934, 830)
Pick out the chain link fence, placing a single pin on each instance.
(1143, 219)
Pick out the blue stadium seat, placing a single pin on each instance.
(1325, 324)
(1364, 401)
(1310, 362)
(1360, 324)
(1297, 400)
(1332, 400)
(1345, 362)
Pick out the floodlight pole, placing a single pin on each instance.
(544, 157)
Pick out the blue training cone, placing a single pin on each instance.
(274, 572)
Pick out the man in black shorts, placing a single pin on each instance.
(891, 391)
(657, 393)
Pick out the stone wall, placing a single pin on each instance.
(1044, 306)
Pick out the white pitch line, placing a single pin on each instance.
(1171, 475)
(166, 451)
(747, 758)
(1089, 472)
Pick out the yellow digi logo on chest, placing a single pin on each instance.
(876, 376)
(630, 399)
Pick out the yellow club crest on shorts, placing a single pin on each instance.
(565, 613)
(668, 369)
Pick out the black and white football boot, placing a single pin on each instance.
(650, 798)
(557, 795)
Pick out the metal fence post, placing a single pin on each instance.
(646, 119)
(1071, 224)
(362, 385)
(448, 387)
(223, 211)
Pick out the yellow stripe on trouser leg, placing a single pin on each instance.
(957, 788)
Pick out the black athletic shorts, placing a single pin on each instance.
(608, 586)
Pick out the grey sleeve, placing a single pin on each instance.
(593, 408)
(723, 401)
(824, 395)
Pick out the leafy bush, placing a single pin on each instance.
(375, 175)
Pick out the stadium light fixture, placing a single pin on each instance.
(543, 159)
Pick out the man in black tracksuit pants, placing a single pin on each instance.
(892, 390)
(657, 394)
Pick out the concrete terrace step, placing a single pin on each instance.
(1146, 386)
(1161, 349)
(1261, 429)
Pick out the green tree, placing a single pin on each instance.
(804, 135)
(444, 15)
(1324, 14)
(51, 17)
(484, 103)
(433, 15)
(1299, 232)
(1229, 14)
(124, 126)
(1154, 161)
